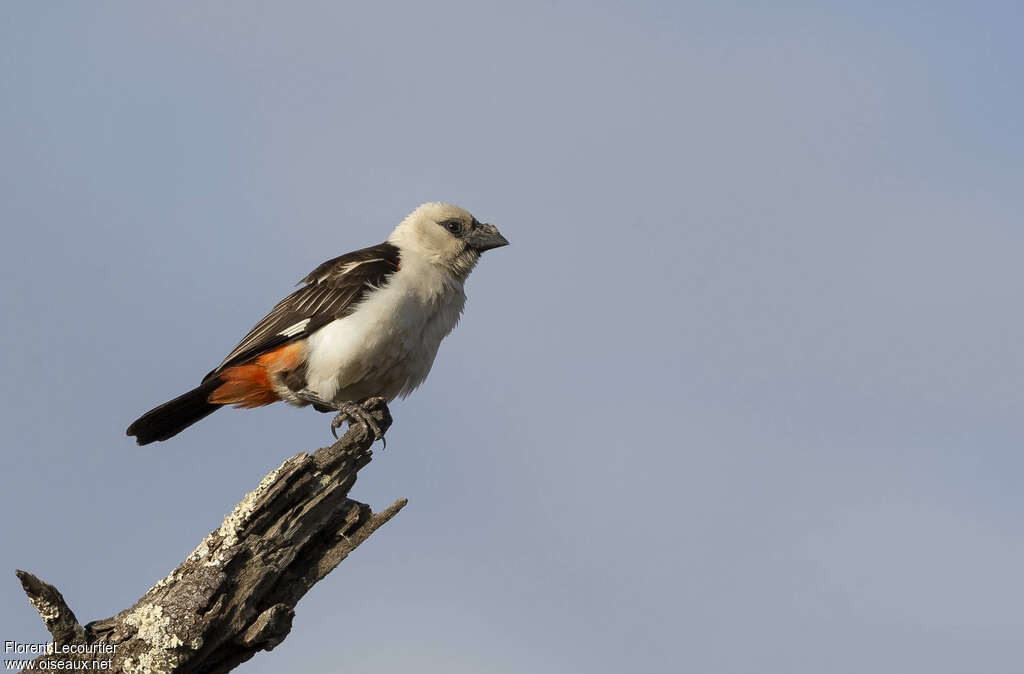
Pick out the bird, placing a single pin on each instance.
(363, 325)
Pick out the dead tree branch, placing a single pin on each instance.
(235, 594)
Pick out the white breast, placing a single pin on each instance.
(387, 345)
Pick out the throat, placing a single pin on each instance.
(463, 263)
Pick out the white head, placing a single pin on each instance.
(446, 236)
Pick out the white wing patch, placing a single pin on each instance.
(295, 329)
(352, 265)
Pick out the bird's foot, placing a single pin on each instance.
(357, 413)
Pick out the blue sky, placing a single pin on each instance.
(743, 395)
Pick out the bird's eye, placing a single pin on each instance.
(453, 226)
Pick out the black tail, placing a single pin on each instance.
(171, 418)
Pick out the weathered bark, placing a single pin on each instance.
(235, 594)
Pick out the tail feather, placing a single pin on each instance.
(174, 416)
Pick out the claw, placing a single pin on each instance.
(353, 413)
(338, 421)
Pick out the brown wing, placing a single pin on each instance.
(333, 291)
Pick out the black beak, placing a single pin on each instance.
(484, 237)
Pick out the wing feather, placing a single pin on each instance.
(332, 291)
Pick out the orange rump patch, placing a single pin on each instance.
(251, 384)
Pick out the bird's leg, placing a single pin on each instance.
(355, 412)
(348, 411)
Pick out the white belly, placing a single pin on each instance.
(387, 346)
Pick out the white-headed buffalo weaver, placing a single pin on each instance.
(365, 324)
